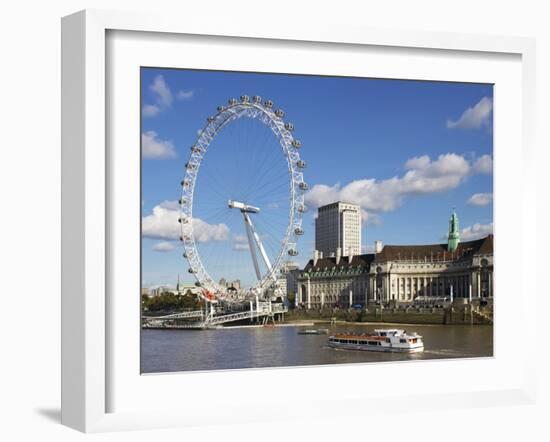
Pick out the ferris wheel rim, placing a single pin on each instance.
(263, 111)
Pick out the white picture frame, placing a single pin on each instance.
(86, 316)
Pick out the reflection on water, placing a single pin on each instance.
(184, 350)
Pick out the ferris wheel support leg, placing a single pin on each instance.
(249, 235)
(258, 241)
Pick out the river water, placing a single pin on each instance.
(253, 347)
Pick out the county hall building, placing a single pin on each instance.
(399, 273)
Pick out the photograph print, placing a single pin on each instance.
(302, 220)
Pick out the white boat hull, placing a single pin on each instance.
(376, 348)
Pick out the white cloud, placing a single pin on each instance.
(205, 232)
(162, 92)
(170, 205)
(480, 199)
(321, 194)
(162, 97)
(240, 247)
(476, 231)
(484, 164)
(152, 147)
(150, 110)
(370, 218)
(423, 176)
(474, 117)
(164, 246)
(185, 95)
(163, 223)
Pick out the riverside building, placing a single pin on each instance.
(338, 226)
(400, 274)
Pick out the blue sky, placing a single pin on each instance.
(406, 151)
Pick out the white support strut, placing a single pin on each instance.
(258, 241)
(249, 235)
(252, 235)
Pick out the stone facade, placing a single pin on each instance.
(403, 273)
(334, 282)
(400, 274)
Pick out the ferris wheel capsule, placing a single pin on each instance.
(210, 119)
(268, 104)
(293, 252)
(257, 99)
(190, 270)
(301, 164)
(232, 101)
(299, 231)
(221, 108)
(303, 185)
(280, 113)
(195, 149)
(289, 127)
(296, 143)
(302, 208)
(245, 98)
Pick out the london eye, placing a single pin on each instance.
(242, 201)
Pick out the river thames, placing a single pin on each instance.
(254, 347)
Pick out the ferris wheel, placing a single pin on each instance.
(242, 201)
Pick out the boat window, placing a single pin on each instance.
(402, 341)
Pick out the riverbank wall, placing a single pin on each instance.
(451, 315)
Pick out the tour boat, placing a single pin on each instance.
(388, 340)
